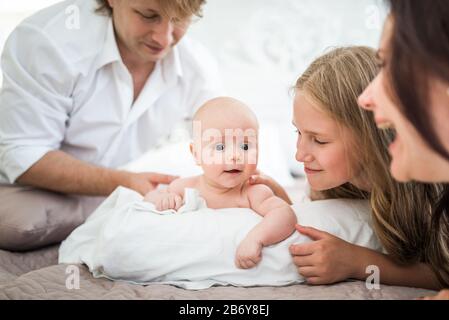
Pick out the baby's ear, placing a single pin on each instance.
(194, 153)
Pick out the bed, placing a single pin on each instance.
(36, 275)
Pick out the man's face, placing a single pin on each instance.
(144, 34)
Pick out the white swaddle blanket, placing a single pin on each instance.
(128, 239)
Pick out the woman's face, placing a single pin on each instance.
(144, 35)
(323, 146)
(412, 158)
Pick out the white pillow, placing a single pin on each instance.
(347, 219)
(127, 239)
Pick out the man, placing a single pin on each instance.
(79, 101)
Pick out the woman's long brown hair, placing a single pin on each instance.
(419, 53)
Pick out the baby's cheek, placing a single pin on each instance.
(212, 170)
(251, 158)
(251, 168)
(211, 157)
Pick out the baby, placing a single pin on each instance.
(225, 133)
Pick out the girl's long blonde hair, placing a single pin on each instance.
(401, 212)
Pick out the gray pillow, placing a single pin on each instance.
(32, 218)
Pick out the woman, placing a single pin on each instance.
(411, 95)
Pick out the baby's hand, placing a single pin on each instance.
(249, 254)
(164, 200)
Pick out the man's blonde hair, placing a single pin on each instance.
(180, 9)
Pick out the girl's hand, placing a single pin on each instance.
(442, 295)
(326, 260)
(260, 178)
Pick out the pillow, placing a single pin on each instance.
(31, 218)
(347, 219)
(128, 239)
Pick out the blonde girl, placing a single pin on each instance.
(346, 156)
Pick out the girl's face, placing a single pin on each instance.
(323, 146)
(412, 158)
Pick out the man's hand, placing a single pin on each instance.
(164, 200)
(249, 253)
(146, 182)
(60, 172)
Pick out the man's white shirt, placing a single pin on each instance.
(68, 89)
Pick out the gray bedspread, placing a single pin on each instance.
(36, 275)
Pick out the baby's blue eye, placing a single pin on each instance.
(245, 146)
(219, 147)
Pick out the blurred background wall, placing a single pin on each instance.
(262, 46)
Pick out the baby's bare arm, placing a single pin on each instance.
(279, 219)
(178, 186)
(171, 197)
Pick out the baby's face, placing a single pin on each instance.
(226, 148)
